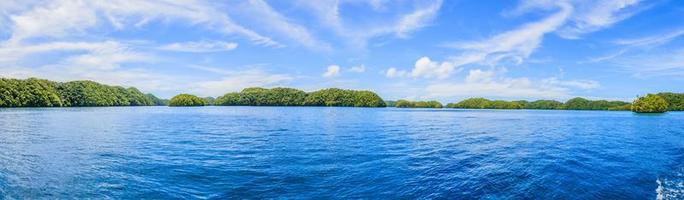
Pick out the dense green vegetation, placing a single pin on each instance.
(294, 97)
(482, 103)
(585, 104)
(572, 104)
(544, 104)
(674, 100)
(186, 100)
(417, 104)
(346, 98)
(34, 92)
(650, 103)
(263, 97)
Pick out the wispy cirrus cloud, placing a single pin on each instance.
(417, 19)
(200, 46)
(650, 41)
(328, 13)
(274, 21)
(66, 18)
(491, 83)
(593, 16)
(515, 45)
(570, 19)
(647, 56)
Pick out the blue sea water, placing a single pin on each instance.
(339, 153)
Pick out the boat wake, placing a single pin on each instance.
(671, 188)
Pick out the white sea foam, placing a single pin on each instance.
(669, 189)
(659, 190)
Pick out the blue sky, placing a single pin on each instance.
(410, 49)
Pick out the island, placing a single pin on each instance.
(183, 100)
(293, 97)
(34, 92)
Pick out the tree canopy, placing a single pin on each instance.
(572, 104)
(585, 104)
(472, 103)
(674, 100)
(650, 103)
(417, 104)
(294, 97)
(34, 92)
(186, 100)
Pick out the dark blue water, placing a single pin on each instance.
(271, 152)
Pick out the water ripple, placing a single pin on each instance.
(338, 153)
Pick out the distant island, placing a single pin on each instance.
(651, 103)
(35, 92)
(288, 97)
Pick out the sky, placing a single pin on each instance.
(401, 49)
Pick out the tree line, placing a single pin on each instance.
(34, 92)
(293, 97)
(414, 104)
(572, 104)
(188, 100)
(666, 101)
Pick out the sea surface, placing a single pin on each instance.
(338, 153)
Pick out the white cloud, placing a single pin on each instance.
(417, 19)
(328, 13)
(358, 69)
(649, 41)
(638, 45)
(587, 16)
(479, 76)
(571, 19)
(581, 84)
(514, 45)
(394, 72)
(64, 18)
(98, 61)
(333, 70)
(11, 52)
(200, 46)
(273, 20)
(593, 16)
(648, 56)
(666, 62)
(489, 83)
(55, 19)
(427, 68)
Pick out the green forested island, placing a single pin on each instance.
(186, 100)
(34, 92)
(651, 103)
(572, 104)
(414, 104)
(294, 97)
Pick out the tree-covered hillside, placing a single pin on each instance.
(417, 104)
(572, 104)
(294, 97)
(34, 92)
(183, 100)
